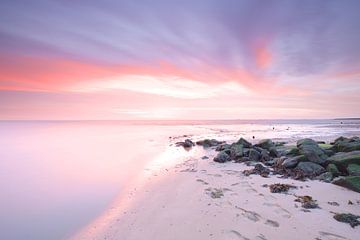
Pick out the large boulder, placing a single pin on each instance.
(343, 144)
(236, 151)
(306, 141)
(222, 157)
(325, 177)
(343, 159)
(353, 169)
(245, 143)
(293, 161)
(266, 144)
(333, 170)
(254, 155)
(223, 146)
(294, 151)
(350, 182)
(311, 150)
(206, 143)
(310, 168)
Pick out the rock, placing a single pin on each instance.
(273, 152)
(222, 157)
(222, 147)
(254, 155)
(265, 156)
(310, 168)
(266, 144)
(333, 169)
(293, 151)
(325, 177)
(350, 182)
(245, 143)
(258, 169)
(347, 218)
(236, 151)
(353, 169)
(204, 157)
(280, 188)
(292, 162)
(343, 159)
(343, 144)
(242, 159)
(307, 202)
(206, 143)
(186, 144)
(311, 150)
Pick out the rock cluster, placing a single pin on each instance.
(338, 162)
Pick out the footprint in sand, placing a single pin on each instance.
(202, 181)
(252, 216)
(214, 175)
(279, 210)
(331, 236)
(267, 197)
(251, 190)
(231, 172)
(260, 237)
(272, 223)
(232, 234)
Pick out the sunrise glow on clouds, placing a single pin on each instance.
(179, 59)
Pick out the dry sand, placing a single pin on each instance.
(176, 201)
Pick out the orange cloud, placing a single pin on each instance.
(27, 73)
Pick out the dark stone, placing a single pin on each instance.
(311, 150)
(343, 144)
(245, 143)
(353, 169)
(325, 177)
(350, 182)
(206, 143)
(333, 169)
(186, 144)
(293, 152)
(222, 147)
(254, 155)
(266, 144)
(265, 156)
(292, 162)
(343, 159)
(236, 151)
(310, 168)
(222, 157)
(273, 152)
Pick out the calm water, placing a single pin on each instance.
(55, 177)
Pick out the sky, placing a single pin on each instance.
(184, 59)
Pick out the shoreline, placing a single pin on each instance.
(202, 199)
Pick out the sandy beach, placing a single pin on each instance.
(196, 198)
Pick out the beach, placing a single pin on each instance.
(193, 197)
